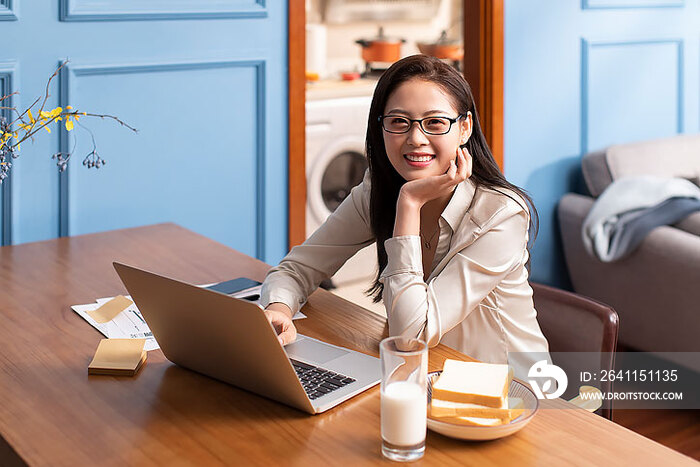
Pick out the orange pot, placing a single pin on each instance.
(444, 48)
(381, 48)
(448, 52)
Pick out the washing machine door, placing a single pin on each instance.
(339, 168)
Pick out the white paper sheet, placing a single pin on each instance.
(129, 324)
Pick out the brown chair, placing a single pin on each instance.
(574, 323)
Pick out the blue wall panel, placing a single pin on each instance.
(617, 109)
(194, 185)
(89, 10)
(8, 79)
(632, 3)
(8, 10)
(208, 92)
(582, 75)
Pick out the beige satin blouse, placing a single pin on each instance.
(477, 298)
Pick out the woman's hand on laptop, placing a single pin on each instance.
(280, 316)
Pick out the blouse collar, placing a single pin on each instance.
(459, 204)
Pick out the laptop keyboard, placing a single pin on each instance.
(317, 381)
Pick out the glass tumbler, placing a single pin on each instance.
(404, 400)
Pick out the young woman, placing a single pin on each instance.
(451, 232)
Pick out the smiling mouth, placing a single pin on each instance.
(419, 157)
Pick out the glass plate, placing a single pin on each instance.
(481, 433)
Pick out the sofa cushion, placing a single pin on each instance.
(690, 224)
(678, 156)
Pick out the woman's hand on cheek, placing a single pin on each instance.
(426, 189)
(466, 163)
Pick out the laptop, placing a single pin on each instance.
(231, 340)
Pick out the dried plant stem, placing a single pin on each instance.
(29, 124)
(109, 116)
(7, 97)
(48, 84)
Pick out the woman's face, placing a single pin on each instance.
(415, 154)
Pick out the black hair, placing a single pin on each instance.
(386, 181)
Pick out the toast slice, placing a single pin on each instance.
(510, 410)
(473, 421)
(473, 383)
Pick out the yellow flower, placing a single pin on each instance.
(47, 129)
(31, 117)
(68, 107)
(53, 114)
(69, 125)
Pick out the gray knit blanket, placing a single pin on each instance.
(630, 208)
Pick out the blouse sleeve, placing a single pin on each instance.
(415, 308)
(344, 233)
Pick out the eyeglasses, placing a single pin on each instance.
(429, 125)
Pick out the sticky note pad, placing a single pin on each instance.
(110, 309)
(118, 357)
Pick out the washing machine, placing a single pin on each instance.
(335, 163)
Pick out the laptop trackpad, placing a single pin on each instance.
(313, 351)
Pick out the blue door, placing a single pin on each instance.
(581, 75)
(204, 82)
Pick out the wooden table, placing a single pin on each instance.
(52, 412)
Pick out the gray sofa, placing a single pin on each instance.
(656, 289)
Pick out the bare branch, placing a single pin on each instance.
(32, 131)
(80, 114)
(9, 95)
(48, 85)
(31, 124)
(25, 112)
(55, 73)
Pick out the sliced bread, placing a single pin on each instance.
(473, 383)
(510, 410)
(473, 421)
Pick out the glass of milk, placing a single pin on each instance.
(404, 397)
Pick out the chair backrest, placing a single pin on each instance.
(574, 323)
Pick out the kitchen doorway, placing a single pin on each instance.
(482, 36)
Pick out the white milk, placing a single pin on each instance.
(404, 406)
